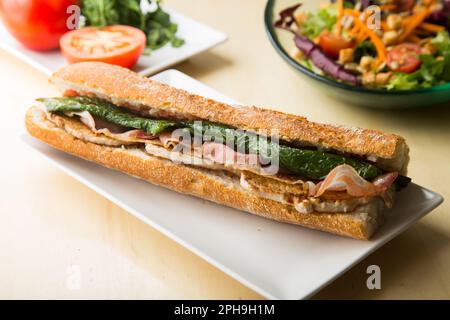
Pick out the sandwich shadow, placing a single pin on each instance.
(145, 247)
(406, 264)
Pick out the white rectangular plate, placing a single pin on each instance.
(198, 38)
(277, 260)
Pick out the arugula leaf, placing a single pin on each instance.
(100, 12)
(130, 10)
(157, 25)
(162, 30)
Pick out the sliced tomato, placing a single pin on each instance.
(119, 45)
(404, 58)
(331, 44)
(70, 93)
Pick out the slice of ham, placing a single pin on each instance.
(111, 130)
(345, 178)
(168, 140)
(225, 155)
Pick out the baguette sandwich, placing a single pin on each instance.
(276, 165)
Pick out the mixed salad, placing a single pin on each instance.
(385, 44)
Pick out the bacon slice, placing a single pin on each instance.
(345, 178)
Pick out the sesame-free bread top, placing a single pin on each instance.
(126, 88)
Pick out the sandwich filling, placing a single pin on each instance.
(308, 179)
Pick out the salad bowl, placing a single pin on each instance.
(283, 42)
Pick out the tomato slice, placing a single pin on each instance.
(70, 93)
(404, 58)
(331, 44)
(119, 45)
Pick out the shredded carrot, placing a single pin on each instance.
(388, 7)
(407, 20)
(429, 3)
(362, 36)
(384, 26)
(431, 27)
(413, 38)
(358, 33)
(413, 23)
(340, 7)
(354, 31)
(379, 45)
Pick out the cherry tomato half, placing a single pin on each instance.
(331, 44)
(37, 24)
(119, 45)
(404, 58)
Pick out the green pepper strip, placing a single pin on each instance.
(309, 164)
(107, 111)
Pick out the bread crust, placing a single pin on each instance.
(196, 181)
(125, 87)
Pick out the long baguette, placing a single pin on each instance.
(199, 182)
(126, 88)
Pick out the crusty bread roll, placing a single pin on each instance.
(147, 97)
(126, 88)
(206, 184)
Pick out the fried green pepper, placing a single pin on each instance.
(309, 164)
(107, 111)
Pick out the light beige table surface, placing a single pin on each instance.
(53, 228)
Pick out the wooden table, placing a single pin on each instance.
(54, 230)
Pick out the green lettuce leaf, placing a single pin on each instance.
(315, 23)
(435, 70)
(442, 42)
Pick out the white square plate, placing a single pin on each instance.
(198, 38)
(277, 260)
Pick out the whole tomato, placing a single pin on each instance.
(37, 24)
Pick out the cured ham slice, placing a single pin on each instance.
(223, 154)
(168, 140)
(111, 130)
(345, 178)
